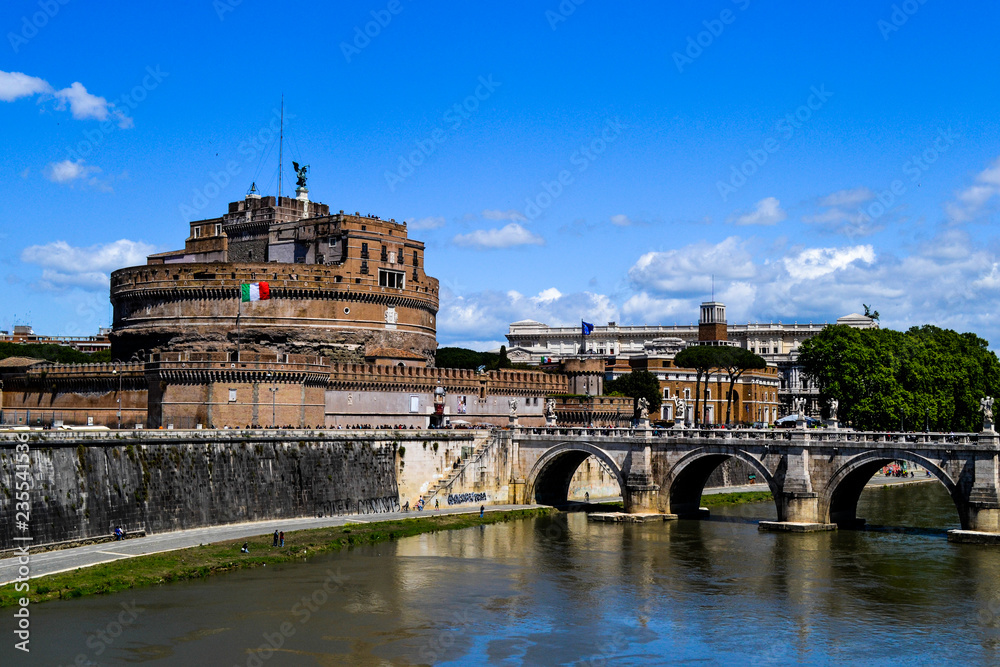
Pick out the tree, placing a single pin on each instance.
(59, 354)
(503, 361)
(638, 384)
(701, 358)
(736, 361)
(925, 375)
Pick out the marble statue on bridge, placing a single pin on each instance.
(550, 412)
(643, 407)
(512, 404)
(986, 407)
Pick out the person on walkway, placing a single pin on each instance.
(282, 538)
(275, 542)
(437, 505)
(482, 510)
(246, 548)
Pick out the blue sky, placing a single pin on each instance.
(561, 161)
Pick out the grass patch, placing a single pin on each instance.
(209, 559)
(738, 498)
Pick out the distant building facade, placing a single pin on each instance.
(762, 399)
(25, 334)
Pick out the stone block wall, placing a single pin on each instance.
(84, 484)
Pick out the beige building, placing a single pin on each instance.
(651, 347)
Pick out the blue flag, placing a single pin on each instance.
(588, 328)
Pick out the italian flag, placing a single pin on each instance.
(255, 292)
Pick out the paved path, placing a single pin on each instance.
(51, 562)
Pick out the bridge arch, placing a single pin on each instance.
(688, 476)
(841, 495)
(549, 480)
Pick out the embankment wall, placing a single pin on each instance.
(83, 484)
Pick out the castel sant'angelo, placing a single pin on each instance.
(342, 286)
(279, 313)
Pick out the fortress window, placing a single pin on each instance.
(218, 229)
(390, 278)
(197, 232)
(399, 257)
(364, 267)
(385, 254)
(415, 264)
(364, 251)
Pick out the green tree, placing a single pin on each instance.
(736, 361)
(924, 376)
(701, 358)
(638, 384)
(59, 354)
(503, 361)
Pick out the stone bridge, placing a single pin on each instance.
(815, 476)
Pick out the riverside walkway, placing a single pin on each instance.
(62, 560)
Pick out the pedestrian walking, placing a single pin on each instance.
(282, 538)
(482, 510)
(275, 542)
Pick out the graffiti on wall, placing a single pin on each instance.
(460, 498)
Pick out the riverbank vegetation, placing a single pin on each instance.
(209, 559)
(737, 498)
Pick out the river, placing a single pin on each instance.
(564, 591)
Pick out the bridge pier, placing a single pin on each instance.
(798, 509)
(642, 493)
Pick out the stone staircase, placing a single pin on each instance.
(443, 485)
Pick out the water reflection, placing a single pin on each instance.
(561, 590)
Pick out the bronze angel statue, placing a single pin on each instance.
(301, 173)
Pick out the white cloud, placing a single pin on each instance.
(512, 214)
(64, 265)
(815, 262)
(506, 237)
(620, 220)
(485, 315)
(767, 211)
(689, 270)
(68, 171)
(546, 296)
(430, 222)
(971, 202)
(14, 85)
(82, 104)
(847, 197)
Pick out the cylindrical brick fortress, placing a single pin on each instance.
(312, 309)
(342, 286)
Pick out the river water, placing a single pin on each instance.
(564, 591)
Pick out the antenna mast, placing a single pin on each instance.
(281, 146)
